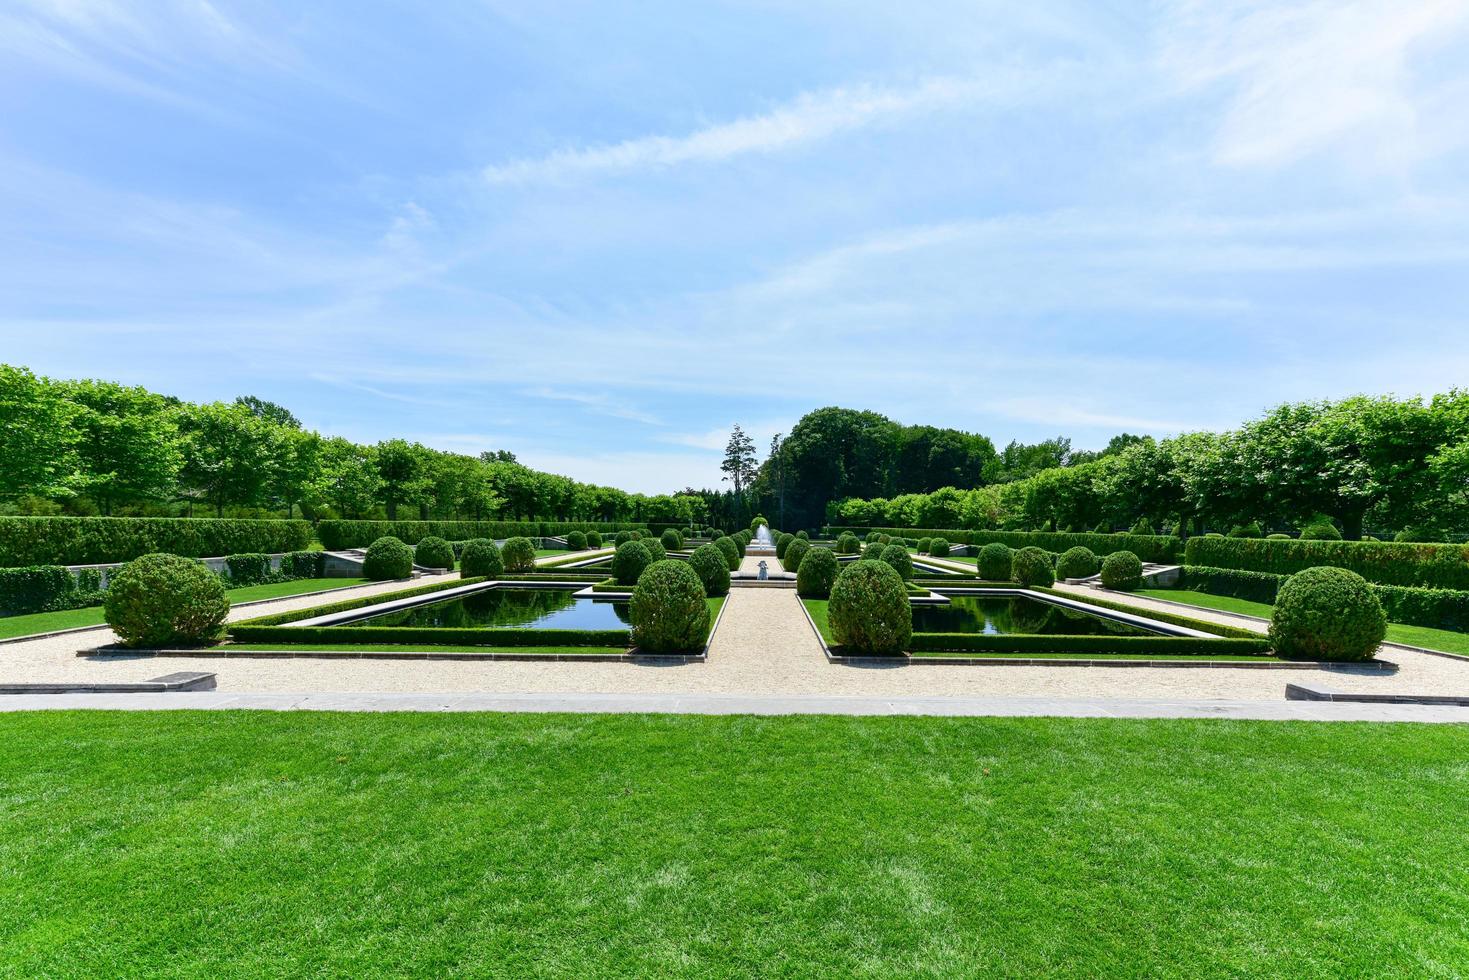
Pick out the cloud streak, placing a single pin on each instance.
(811, 117)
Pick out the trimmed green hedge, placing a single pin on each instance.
(336, 535)
(1163, 549)
(1254, 586)
(47, 588)
(429, 636)
(1149, 645)
(1440, 566)
(101, 540)
(1445, 609)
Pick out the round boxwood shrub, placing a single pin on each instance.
(869, 611)
(434, 552)
(622, 537)
(924, 544)
(519, 555)
(1320, 531)
(897, 556)
(994, 562)
(1250, 530)
(730, 550)
(668, 611)
(939, 547)
(1077, 562)
(656, 551)
(629, 561)
(480, 559)
(594, 539)
(797, 550)
(803, 535)
(741, 544)
(847, 544)
(715, 534)
(1327, 614)
(708, 563)
(670, 541)
(782, 542)
(872, 550)
(576, 541)
(1122, 570)
(1032, 566)
(387, 558)
(817, 572)
(161, 600)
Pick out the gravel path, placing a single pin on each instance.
(763, 646)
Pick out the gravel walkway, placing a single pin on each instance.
(764, 646)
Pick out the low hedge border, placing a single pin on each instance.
(1441, 566)
(588, 577)
(104, 540)
(349, 604)
(429, 636)
(1153, 645)
(1203, 626)
(339, 534)
(1163, 549)
(1445, 609)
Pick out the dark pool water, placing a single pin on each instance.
(550, 609)
(1011, 615)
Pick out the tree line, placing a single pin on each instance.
(96, 447)
(1382, 463)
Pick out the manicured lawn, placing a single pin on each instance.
(817, 609)
(1447, 641)
(262, 843)
(13, 626)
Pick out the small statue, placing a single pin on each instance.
(764, 571)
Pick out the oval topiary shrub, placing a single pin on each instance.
(1250, 530)
(160, 600)
(1032, 566)
(924, 544)
(939, 547)
(594, 539)
(670, 541)
(994, 562)
(1077, 562)
(622, 537)
(731, 550)
(387, 558)
(1320, 531)
(432, 552)
(480, 559)
(668, 610)
(872, 551)
(897, 556)
(817, 573)
(576, 541)
(869, 610)
(716, 534)
(709, 564)
(629, 561)
(782, 542)
(803, 535)
(656, 551)
(797, 550)
(519, 555)
(1122, 570)
(1327, 614)
(847, 544)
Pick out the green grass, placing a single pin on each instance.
(261, 843)
(1185, 658)
(13, 626)
(1446, 641)
(548, 552)
(817, 609)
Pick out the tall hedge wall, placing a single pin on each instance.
(1441, 566)
(98, 540)
(359, 534)
(1164, 549)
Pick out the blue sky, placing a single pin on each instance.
(597, 234)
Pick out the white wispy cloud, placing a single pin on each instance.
(810, 117)
(598, 403)
(1307, 76)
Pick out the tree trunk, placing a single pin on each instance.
(1351, 525)
(392, 509)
